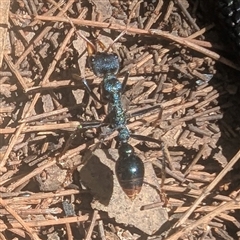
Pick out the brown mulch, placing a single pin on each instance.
(57, 177)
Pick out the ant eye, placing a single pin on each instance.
(116, 57)
(91, 61)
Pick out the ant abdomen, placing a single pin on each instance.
(129, 171)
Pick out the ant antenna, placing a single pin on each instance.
(127, 25)
(89, 43)
(72, 25)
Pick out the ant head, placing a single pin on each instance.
(102, 63)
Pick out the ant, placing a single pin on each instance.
(129, 167)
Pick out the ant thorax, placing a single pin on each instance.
(112, 88)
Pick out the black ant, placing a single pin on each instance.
(129, 167)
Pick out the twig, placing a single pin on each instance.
(208, 189)
(118, 27)
(4, 16)
(30, 175)
(16, 72)
(101, 230)
(35, 99)
(39, 196)
(188, 16)
(42, 34)
(233, 204)
(45, 127)
(195, 160)
(33, 235)
(49, 114)
(154, 17)
(42, 223)
(90, 230)
(69, 231)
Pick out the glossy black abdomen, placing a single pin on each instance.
(129, 171)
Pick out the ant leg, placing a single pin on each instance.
(91, 93)
(116, 39)
(147, 139)
(71, 23)
(146, 110)
(127, 25)
(91, 124)
(88, 89)
(89, 153)
(124, 83)
(83, 125)
(166, 156)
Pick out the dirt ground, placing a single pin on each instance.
(58, 151)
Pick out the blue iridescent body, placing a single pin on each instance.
(112, 89)
(129, 167)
